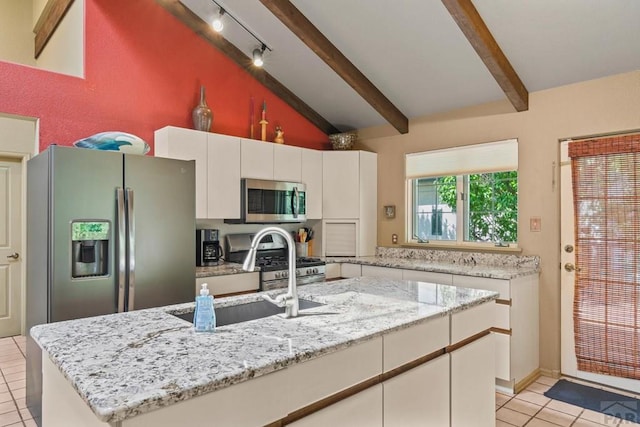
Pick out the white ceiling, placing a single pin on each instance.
(414, 52)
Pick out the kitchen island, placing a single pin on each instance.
(424, 347)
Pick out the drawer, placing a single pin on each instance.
(409, 344)
(332, 271)
(372, 270)
(466, 323)
(497, 285)
(427, 276)
(230, 283)
(350, 270)
(318, 378)
(503, 313)
(503, 356)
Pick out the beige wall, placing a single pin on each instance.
(64, 52)
(16, 35)
(599, 106)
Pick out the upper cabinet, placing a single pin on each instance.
(217, 168)
(222, 161)
(264, 160)
(341, 179)
(287, 163)
(311, 176)
(256, 159)
(349, 203)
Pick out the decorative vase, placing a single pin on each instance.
(202, 115)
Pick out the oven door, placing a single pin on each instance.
(273, 201)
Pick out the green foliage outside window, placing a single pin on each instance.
(491, 205)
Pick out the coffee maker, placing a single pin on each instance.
(208, 249)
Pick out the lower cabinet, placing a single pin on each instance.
(419, 397)
(229, 283)
(362, 409)
(472, 384)
(515, 323)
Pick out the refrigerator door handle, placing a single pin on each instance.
(122, 249)
(131, 243)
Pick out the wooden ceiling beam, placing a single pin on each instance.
(204, 30)
(49, 20)
(293, 19)
(470, 22)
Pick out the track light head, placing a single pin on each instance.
(258, 53)
(217, 23)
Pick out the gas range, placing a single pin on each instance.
(272, 259)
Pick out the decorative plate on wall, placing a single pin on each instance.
(114, 141)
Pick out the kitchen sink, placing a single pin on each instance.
(250, 311)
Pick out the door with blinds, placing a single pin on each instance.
(600, 260)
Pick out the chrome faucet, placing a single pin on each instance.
(290, 299)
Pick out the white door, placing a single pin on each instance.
(569, 365)
(10, 246)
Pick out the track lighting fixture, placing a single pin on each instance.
(257, 56)
(217, 23)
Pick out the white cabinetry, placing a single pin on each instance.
(262, 160)
(391, 273)
(341, 178)
(230, 283)
(419, 397)
(350, 270)
(221, 161)
(427, 276)
(256, 159)
(515, 316)
(217, 160)
(362, 409)
(287, 163)
(311, 176)
(349, 198)
(472, 385)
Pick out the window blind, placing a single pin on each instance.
(490, 157)
(606, 313)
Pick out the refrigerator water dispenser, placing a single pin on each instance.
(89, 248)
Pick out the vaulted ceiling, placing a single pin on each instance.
(399, 60)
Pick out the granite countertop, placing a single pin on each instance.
(442, 266)
(223, 269)
(126, 364)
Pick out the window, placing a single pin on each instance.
(464, 195)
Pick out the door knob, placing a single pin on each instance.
(569, 267)
(568, 248)
(14, 255)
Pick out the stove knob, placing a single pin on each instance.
(285, 274)
(315, 271)
(277, 275)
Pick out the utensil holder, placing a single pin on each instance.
(301, 249)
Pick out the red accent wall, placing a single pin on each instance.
(143, 71)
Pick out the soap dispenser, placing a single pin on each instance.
(204, 318)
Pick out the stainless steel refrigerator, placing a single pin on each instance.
(106, 232)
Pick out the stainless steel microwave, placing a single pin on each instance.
(265, 202)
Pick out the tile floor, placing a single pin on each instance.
(529, 408)
(13, 409)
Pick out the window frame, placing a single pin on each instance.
(462, 213)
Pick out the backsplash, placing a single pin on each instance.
(460, 257)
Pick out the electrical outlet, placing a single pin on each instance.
(394, 239)
(535, 223)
